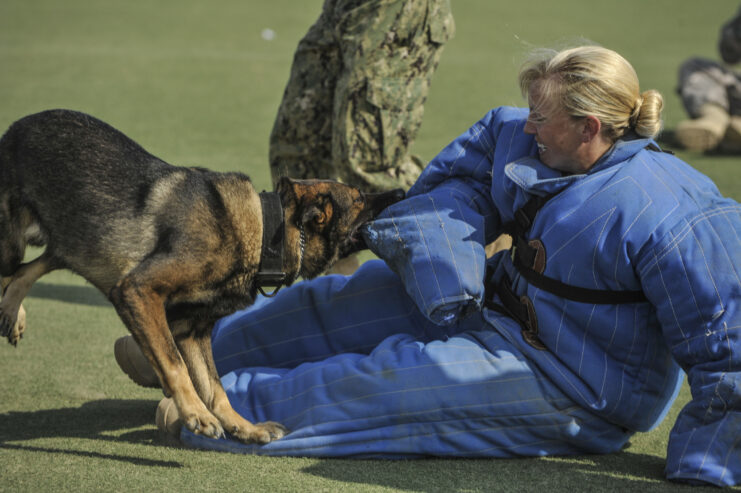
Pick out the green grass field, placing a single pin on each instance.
(195, 83)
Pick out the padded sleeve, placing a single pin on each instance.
(694, 280)
(434, 240)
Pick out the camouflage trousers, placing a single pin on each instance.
(355, 97)
(706, 81)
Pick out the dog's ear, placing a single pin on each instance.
(311, 206)
(318, 215)
(315, 215)
(286, 188)
(294, 191)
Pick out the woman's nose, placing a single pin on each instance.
(529, 128)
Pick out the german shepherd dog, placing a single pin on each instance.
(173, 248)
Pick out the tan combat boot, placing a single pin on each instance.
(731, 143)
(704, 133)
(167, 419)
(131, 360)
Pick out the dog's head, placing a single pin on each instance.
(330, 214)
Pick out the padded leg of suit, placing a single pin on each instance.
(378, 381)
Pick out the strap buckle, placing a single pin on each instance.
(269, 279)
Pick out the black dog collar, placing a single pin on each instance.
(270, 273)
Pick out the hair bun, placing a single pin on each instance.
(646, 117)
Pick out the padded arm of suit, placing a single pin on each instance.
(434, 240)
(693, 280)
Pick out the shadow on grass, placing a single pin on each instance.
(96, 420)
(623, 471)
(86, 295)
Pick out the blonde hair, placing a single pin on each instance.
(591, 80)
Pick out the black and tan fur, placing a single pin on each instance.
(172, 248)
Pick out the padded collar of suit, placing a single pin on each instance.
(536, 178)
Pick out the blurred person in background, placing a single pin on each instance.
(711, 94)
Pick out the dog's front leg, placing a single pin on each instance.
(142, 310)
(12, 330)
(196, 349)
(15, 289)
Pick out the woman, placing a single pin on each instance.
(625, 269)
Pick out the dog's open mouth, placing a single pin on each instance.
(375, 203)
(355, 242)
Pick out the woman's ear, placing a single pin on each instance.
(592, 128)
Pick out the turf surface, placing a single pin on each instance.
(196, 84)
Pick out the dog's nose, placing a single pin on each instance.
(376, 202)
(384, 199)
(398, 194)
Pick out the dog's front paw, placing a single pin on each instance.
(206, 425)
(275, 431)
(261, 433)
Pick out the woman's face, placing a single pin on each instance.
(558, 135)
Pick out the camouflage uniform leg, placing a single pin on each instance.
(390, 50)
(301, 139)
(704, 81)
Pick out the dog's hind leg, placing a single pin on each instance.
(15, 289)
(196, 350)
